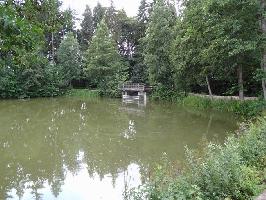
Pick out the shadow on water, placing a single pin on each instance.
(71, 148)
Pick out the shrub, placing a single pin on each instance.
(230, 171)
(161, 92)
(83, 93)
(245, 109)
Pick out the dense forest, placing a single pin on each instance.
(204, 46)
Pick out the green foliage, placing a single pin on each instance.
(69, 59)
(84, 93)
(213, 39)
(98, 15)
(252, 147)
(162, 92)
(136, 31)
(24, 69)
(104, 66)
(130, 49)
(143, 17)
(87, 28)
(157, 43)
(221, 174)
(209, 43)
(112, 21)
(17, 37)
(48, 15)
(230, 171)
(246, 109)
(52, 85)
(39, 79)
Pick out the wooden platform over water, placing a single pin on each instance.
(135, 87)
(132, 92)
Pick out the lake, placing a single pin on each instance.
(78, 149)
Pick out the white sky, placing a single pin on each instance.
(130, 6)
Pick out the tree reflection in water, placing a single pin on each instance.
(52, 147)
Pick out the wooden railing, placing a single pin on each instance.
(133, 87)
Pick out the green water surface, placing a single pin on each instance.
(92, 149)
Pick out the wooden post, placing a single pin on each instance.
(209, 86)
(145, 98)
(240, 82)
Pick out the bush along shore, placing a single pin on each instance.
(244, 109)
(84, 93)
(232, 171)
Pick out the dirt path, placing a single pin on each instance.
(262, 197)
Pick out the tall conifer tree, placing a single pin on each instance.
(87, 28)
(98, 14)
(157, 42)
(104, 65)
(69, 58)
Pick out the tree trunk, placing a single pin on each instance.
(209, 86)
(240, 82)
(263, 62)
(53, 53)
(263, 66)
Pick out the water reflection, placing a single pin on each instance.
(130, 132)
(92, 149)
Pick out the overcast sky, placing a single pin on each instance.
(130, 6)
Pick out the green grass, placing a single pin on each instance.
(84, 93)
(245, 109)
(233, 171)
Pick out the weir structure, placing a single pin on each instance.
(135, 92)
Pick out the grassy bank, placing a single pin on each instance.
(83, 93)
(246, 109)
(233, 171)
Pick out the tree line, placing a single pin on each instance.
(206, 46)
